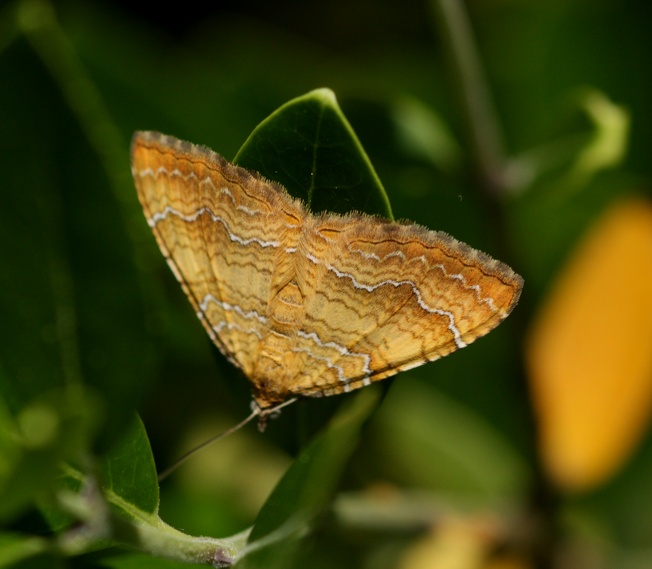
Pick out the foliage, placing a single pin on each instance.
(484, 459)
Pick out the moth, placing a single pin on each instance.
(310, 305)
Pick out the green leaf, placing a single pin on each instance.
(50, 430)
(307, 488)
(16, 548)
(423, 133)
(72, 305)
(130, 488)
(129, 472)
(308, 146)
(608, 144)
(430, 441)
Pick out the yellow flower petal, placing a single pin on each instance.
(589, 354)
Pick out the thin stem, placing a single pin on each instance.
(493, 166)
(38, 22)
(481, 117)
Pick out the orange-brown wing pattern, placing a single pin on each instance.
(384, 297)
(222, 232)
(303, 304)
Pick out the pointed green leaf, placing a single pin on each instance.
(130, 487)
(129, 471)
(308, 146)
(308, 487)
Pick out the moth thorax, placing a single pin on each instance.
(286, 310)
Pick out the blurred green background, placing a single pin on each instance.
(86, 295)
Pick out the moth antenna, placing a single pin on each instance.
(257, 412)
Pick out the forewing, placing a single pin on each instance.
(222, 241)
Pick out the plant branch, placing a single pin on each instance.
(482, 120)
